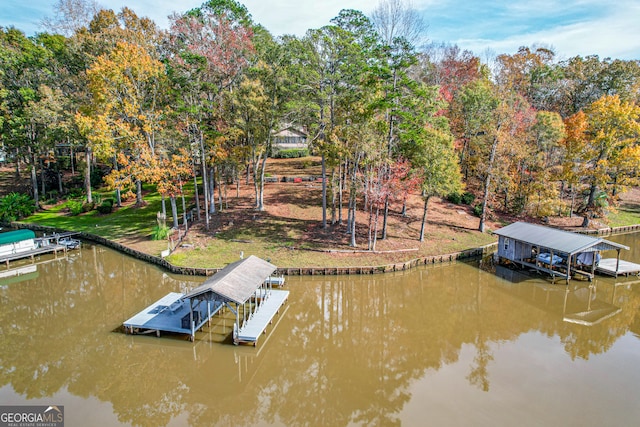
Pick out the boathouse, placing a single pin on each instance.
(246, 288)
(555, 252)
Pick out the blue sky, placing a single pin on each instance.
(570, 27)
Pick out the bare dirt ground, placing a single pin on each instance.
(293, 212)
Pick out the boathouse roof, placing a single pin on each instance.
(16, 236)
(238, 281)
(557, 240)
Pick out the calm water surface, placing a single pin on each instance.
(452, 345)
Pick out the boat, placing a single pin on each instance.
(69, 243)
(16, 242)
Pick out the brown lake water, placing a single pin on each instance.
(448, 345)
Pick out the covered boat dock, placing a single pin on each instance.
(245, 287)
(555, 252)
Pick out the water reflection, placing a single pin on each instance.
(348, 350)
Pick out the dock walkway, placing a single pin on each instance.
(258, 322)
(608, 266)
(32, 253)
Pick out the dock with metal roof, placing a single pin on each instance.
(555, 252)
(245, 287)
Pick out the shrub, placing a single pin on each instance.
(468, 198)
(14, 206)
(97, 175)
(518, 204)
(75, 207)
(76, 192)
(125, 196)
(455, 198)
(477, 210)
(160, 232)
(88, 207)
(106, 206)
(64, 162)
(291, 153)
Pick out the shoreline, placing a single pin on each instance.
(309, 271)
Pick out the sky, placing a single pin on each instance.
(570, 27)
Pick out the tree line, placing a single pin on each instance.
(388, 116)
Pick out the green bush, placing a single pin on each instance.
(291, 153)
(88, 207)
(455, 198)
(64, 162)
(76, 192)
(468, 198)
(518, 204)
(477, 210)
(14, 206)
(160, 232)
(75, 207)
(97, 175)
(106, 206)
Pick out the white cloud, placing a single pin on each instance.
(297, 16)
(616, 35)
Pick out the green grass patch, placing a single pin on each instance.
(126, 221)
(624, 216)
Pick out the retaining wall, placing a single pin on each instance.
(310, 271)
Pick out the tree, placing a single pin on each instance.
(613, 129)
(127, 111)
(70, 16)
(586, 79)
(330, 66)
(209, 49)
(261, 99)
(426, 141)
(447, 67)
(394, 19)
(531, 74)
(472, 112)
(573, 147)
(24, 64)
(489, 122)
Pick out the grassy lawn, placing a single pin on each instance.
(626, 215)
(125, 221)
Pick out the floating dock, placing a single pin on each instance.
(172, 313)
(617, 267)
